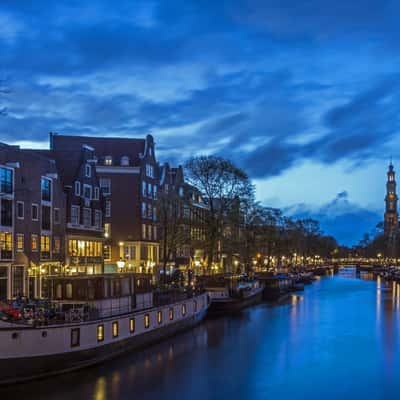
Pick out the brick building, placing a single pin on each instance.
(32, 208)
(128, 179)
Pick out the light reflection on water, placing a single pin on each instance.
(337, 339)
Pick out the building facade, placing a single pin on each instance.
(32, 229)
(128, 179)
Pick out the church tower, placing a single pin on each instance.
(391, 222)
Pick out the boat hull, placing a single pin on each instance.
(19, 369)
(218, 307)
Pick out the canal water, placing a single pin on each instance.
(339, 339)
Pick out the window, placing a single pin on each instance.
(34, 243)
(6, 212)
(20, 242)
(154, 233)
(195, 306)
(46, 189)
(171, 314)
(105, 186)
(88, 170)
(35, 212)
(181, 191)
(183, 310)
(155, 192)
(57, 245)
(154, 214)
(6, 180)
(108, 208)
(146, 320)
(87, 217)
(77, 188)
(132, 325)
(159, 317)
(107, 160)
(6, 245)
(75, 337)
(149, 171)
(149, 232)
(143, 210)
(115, 329)
(56, 215)
(87, 192)
(149, 211)
(20, 209)
(96, 193)
(144, 231)
(97, 219)
(149, 190)
(107, 230)
(44, 246)
(143, 188)
(75, 215)
(125, 161)
(130, 252)
(100, 333)
(107, 252)
(46, 218)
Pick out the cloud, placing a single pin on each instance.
(339, 217)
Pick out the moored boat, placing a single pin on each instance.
(232, 293)
(94, 319)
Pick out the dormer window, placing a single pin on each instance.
(107, 160)
(125, 161)
(88, 170)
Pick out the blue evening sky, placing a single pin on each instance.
(304, 95)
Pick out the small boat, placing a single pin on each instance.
(91, 319)
(233, 294)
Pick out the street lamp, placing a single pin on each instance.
(120, 264)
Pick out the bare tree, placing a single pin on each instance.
(222, 185)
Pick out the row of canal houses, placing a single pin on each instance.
(88, 205)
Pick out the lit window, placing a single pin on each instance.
(171, 314)
(115, 329)
(57, 245)
(107, 230)
(107, 160)
(20, 242)
(68, 290)
(132, 325)
(100, 333)
(107, 252)
(183, 309)
(146, 321)
(144, 231)
(34, 243)
(6, 245)
(159, 317)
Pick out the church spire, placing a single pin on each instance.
(391, 222)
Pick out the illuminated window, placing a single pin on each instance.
(68, 290)
(107, 230)
(6, 245)
(159, 317)
(146, 321)
(171, 314)
(132, 325)
(56, 245)
(107, 160)
(20, 242)
(107, 252)
(183, 309)
(115, 329)
(34, 243)
(100, 333)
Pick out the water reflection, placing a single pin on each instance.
(337, 339)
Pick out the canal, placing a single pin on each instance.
(339, 339)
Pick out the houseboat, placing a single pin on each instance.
(90, 319)
(230, 293)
